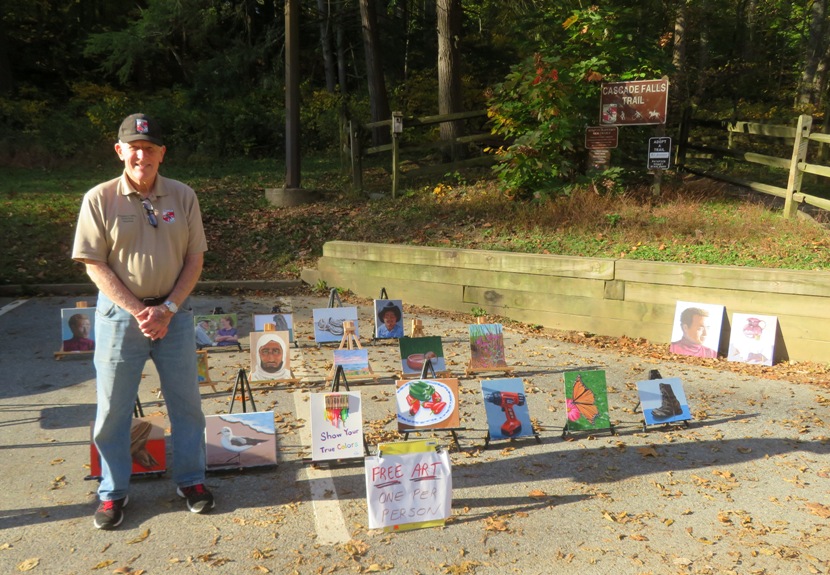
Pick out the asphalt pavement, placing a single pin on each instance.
(744, 488)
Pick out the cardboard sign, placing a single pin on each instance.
(408, 485)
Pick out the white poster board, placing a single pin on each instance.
(336, 425)
(408, 484)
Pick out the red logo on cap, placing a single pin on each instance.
(142, 126)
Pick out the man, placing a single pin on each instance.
(694, 323)
(141, 239)
(269, 359)
(80, 326)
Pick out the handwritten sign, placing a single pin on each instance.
(336, 426)
(408, 484)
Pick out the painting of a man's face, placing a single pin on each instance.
(697, 330)
(390, 319)
(270, 357)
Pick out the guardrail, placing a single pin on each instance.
(697, 143)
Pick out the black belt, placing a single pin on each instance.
(154, 301)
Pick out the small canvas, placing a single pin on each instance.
(696, 329)
(270, 356)
(487, 346)
(78, 329)
(336, 425)
(427, 404)
(388, 319)
(281, 321)
(752, 339)
(216, 330)
(202, 367)
(505, 405)
(147, 447)
(328, 323)
(355, 362)
(416, 350)
(663, 400)
(586, 400)
(240, 440)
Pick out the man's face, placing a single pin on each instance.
(141, 160)
(696, 332)
(270, 357)
(389, 319)
(82, 328)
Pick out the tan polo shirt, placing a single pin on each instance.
(113, 227)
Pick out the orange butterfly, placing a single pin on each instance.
(582, 404)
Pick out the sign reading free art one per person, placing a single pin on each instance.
(640, 102)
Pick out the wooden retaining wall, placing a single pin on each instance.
(612, 297)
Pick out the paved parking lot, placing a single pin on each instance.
(743, 489)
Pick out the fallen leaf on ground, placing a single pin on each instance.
(819, 509)
(28, 564)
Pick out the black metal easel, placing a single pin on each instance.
(425, 371)
(244, 388)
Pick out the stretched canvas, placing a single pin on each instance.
(281, 321)
(78, 329)
(388, 319)
(752, 339)
(355, 362)
(416, 350)
(696, 329)
(427, 404)
(487, 346)
(202, 367)
(505, 405)
(586, 400)
(270, 356)
(663, 400)
(240, 440)
(328, 323)
(216, 330)
(147, 447)
(336, 425)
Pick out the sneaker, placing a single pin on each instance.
(110, 513)
(199, 499)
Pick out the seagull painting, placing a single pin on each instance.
(237, 443)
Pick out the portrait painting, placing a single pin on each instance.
(663, 400)
(415, 351)
(505, 405)
(388, 319)
(586, 400)
(427, 404)
(752, 339)
(281, 322)
(216, 330)
(78, 329)
(270, 356)
(240, 440)
(328, 323)
(696, 329)
(487, 346)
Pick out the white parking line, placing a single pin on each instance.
(328, 516)
(11, 306)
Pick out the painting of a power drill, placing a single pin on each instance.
(505, 404)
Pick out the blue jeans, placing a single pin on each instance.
(121, 351)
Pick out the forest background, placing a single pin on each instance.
(213, 73)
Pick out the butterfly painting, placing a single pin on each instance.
(586, 401)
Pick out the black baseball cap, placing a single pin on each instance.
(140, 127)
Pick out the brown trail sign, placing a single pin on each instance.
(641, 102)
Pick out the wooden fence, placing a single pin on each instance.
(701, 141)
(397, 125)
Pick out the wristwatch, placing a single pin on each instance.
(171, 306)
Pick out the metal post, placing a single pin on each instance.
(292, 94)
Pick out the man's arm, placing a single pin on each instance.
(105, 280)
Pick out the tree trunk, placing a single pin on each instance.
(324, 14)
(449, 68)
(808, 92)
(6, 75)
(680, 81)
(378, 102)
(340, 47)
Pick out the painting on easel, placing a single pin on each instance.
(147, 448)
(505, 404)
(752, 339)
(427, 404)
(663, 400)
(586, 401)
(336, 425)
(487, 346)
(78, 329)
(415, 351)
(281, 322)
(388, 319)
(355, 362)
(328, 323)
(240, 440)
(216, 330)
(270, 356)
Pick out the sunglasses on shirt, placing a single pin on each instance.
(151, 212)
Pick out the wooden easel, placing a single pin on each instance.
(272, 327)
(349, 341)
(201, 355)
(61, 353)
(417, 329)
(470, 369)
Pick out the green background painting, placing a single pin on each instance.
(595, 382)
